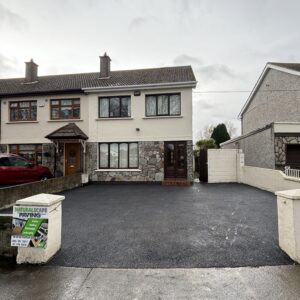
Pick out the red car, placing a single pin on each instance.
(15, 169)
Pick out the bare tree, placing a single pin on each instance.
(207, 131)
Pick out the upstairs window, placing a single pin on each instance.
(163, 105)
(22, 111)
(114, 107)
(65, 109)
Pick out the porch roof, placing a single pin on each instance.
(69, 131)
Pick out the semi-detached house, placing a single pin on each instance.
(130, 125)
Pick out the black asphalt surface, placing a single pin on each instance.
(153, 226)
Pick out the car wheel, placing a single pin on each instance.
(44, 177)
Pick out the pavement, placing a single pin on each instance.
(44, 282)
(154, 226)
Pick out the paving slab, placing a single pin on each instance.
(40, 282)
(153, 226)
(43, 282)
(238, 283)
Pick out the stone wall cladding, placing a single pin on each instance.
(277, 100)
(151, 164)
(190, 160)
(48, 156)
(258, 149)
(280, 149)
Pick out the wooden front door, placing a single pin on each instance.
(72, 158)
(175, 160)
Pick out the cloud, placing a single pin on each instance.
(7, 17)
(137, 23)
(7, 65)
(216, 71)
(185, 59)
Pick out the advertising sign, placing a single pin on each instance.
(30, 226)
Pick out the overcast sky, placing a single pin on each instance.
(226, 42)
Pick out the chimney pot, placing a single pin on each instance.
(105, 66)
(31, 72)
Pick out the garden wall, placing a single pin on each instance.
(9, 195)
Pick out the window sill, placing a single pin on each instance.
(17, 122)
(118, 170)
(113, 119)
(162, 117)
(66, 120)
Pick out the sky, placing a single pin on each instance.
(227, 42)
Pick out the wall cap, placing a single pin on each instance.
(289, 194)
(41, 200)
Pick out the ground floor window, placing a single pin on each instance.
(33, 153)
(118, 155)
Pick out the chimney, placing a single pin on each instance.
(104, 66)
(31, 74)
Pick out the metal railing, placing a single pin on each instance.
(291, 172)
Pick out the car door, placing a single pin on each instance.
(5, 171)
(21, 170)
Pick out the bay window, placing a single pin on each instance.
(163, 105)
(118, 155)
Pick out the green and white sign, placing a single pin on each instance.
(30, 226)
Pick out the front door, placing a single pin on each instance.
(175, 160)
(72, 158)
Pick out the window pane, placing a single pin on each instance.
(54, 113)
(125, 107)
(66, 112)
(66, 102)
(103, 155)
(33, 113)
(133, 155)
(54, 102)
(76, 112)
(114, 156)
(162, 105)
(175, 105)
(150, 106)
(104, 108)
(13, 104)
(33, 103)
(124, 155)
(76, 101)
(114, 107)
(24, 104)
(24, 114)
(13, 114)
(4, 162)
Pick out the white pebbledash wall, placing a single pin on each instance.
(227, 165)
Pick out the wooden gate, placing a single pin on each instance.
(203, 167)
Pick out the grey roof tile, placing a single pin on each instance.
(76, 82)
(69, 131)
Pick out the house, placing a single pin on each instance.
(132, 125)
(271, 119)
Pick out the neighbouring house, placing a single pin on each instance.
(271, 119)
(130, 125)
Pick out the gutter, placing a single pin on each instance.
(141, 86)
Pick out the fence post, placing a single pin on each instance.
(288, 205)
(52, 205)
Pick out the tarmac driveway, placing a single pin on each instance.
(153, 226)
